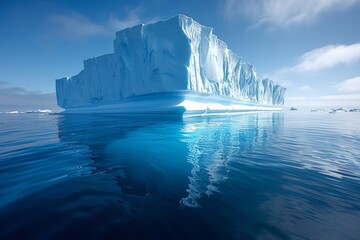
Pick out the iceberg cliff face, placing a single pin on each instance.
(178, 54)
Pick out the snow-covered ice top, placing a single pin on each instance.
(177, 54)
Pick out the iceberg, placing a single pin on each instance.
(30, 111)
(172, 65)
(39, 111)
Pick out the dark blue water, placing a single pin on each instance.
(291, 175)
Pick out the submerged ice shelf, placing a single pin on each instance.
(176, 64)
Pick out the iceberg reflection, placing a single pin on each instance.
(180, 160)
(215, 141)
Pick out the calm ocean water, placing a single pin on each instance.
(291, 175)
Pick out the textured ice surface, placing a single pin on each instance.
(178, 54)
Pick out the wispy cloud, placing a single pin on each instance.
(328, 57)
(343, 97)
(306, 88)
(283, 13)
(350, 85)
(78, 25)
(342, 100)
(340, 97)
(17, 98)
(132, 18)
(15, 90)
(296, 99)
(318, 59)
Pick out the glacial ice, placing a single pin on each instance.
(30, 111)
(177, 55)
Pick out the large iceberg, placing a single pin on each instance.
(172, 64)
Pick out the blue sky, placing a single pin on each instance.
(311, 47)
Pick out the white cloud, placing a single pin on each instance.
(329, 101)
(344, 97)
(118, 24)
(344, 100)
(133, 18)
(350, 85)
(283, 13)
(295, 99)
(321, 58)
(327, 57)
(306, 88)
(77, 25)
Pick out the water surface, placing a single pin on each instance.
(291, 175)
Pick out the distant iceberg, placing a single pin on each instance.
(30, 111)
(342, 109)
(39, 111)
(13, 112)
(176, 64)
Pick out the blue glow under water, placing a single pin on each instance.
(291, 175)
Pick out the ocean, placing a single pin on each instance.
(265, 175)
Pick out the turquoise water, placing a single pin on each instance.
(291, 175)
